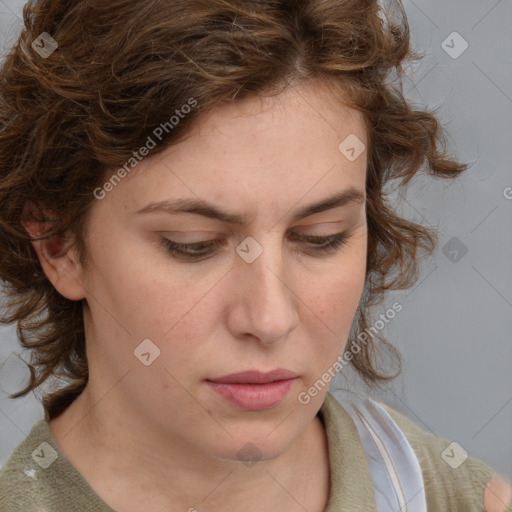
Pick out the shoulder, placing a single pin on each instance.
(38, 477)
(19, 482)
(453, 479)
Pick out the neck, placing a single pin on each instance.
(157, 473)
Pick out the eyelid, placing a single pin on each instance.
(205, 238)
(312, 229)
(197, 251)
(206, 233)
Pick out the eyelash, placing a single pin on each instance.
(324, 245)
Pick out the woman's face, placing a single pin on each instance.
(254, 294)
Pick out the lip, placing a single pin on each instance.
(253, 390)
(256, 377)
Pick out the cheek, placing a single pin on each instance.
(338, 292)
(145, 295)
(156, 301)
(333, 307)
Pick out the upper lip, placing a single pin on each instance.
(256, 376)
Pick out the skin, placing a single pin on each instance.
(157, 437)
(290, 308)
(498, 493)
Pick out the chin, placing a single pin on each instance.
(249, 452)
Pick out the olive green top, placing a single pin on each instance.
(26, 485)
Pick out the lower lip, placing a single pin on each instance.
(253, 397)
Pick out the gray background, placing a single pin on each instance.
(454, 329)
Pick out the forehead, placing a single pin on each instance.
(308, 111)
(267, 150)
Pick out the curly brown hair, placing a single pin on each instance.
(121, 66)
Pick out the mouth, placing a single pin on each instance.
(256, 377)
(254, 390)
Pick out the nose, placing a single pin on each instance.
(265, 301)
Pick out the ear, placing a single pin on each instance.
(58, 257)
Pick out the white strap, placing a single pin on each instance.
(394, 467)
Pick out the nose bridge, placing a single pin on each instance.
(267, 291)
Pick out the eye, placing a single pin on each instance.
(201, 250)
(329, 243)
(190, 251)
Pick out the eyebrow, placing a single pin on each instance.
(203, 208)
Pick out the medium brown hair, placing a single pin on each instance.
(122, 67)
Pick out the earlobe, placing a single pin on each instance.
(59, 260)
